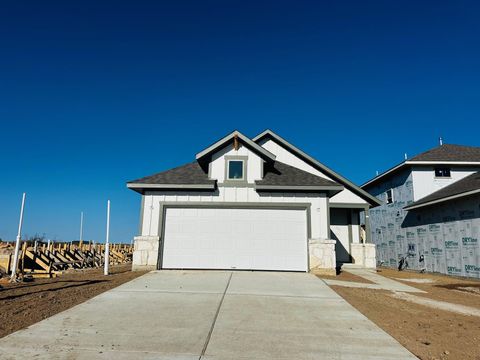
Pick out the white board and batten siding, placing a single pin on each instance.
(283, 155)
(153, 200)
(235, 238)
(425, 182)
(254, 164)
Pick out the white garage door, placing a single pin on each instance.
(221, 238)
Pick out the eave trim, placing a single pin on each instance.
(447, 198)
(171, 186)
(299, 188)
(337, 177)
(257, 148)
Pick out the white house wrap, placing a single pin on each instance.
(433, 218)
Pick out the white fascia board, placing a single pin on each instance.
(472, 192)
(243, 138)
(442, 163)
(299, 188)
(170, 186)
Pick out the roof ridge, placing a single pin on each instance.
(264, 153)
(446, 153)
(442, 147)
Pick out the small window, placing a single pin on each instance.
(442, 172)
(389, 196)
(235, 170)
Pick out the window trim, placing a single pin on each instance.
(244, 160)
(228, 170)
(386, 196)
(442, 169)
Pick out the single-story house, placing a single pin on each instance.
(251, 204)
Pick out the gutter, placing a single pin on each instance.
(171, 186)
(333, 189)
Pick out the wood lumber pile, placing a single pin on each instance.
(48, 260)
(6, 249)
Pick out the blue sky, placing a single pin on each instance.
(93, 94)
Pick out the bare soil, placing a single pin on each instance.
(428, 333)
(345, 276)
(24, 304)
(445, 288)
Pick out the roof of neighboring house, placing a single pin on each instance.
(372, 200)
(188, 176)
(280, 176)
(450, 152)
(443, 154)
(467, 186)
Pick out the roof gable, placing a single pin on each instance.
(268, 134)
(205, 154)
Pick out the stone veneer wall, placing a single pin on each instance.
(322, 256)
(145, 252)
(364, 255)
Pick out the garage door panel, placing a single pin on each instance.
(224, 238)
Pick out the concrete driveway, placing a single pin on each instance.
(208, 315)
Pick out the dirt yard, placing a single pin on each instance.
(427, 332)
(24, 304)
(345, 276)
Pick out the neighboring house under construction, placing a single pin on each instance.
(431, 211)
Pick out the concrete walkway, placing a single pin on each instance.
(401, 291)
(437, 304)
(186, 315)
(380, 282)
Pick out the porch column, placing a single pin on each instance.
(322, 256)
(368, 235)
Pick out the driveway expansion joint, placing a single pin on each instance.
(209, 335)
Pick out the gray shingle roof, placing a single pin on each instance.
(444, 153)
(280, 174)
(187, 174)
(463, 186)
(450, 152)
(275, 175)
